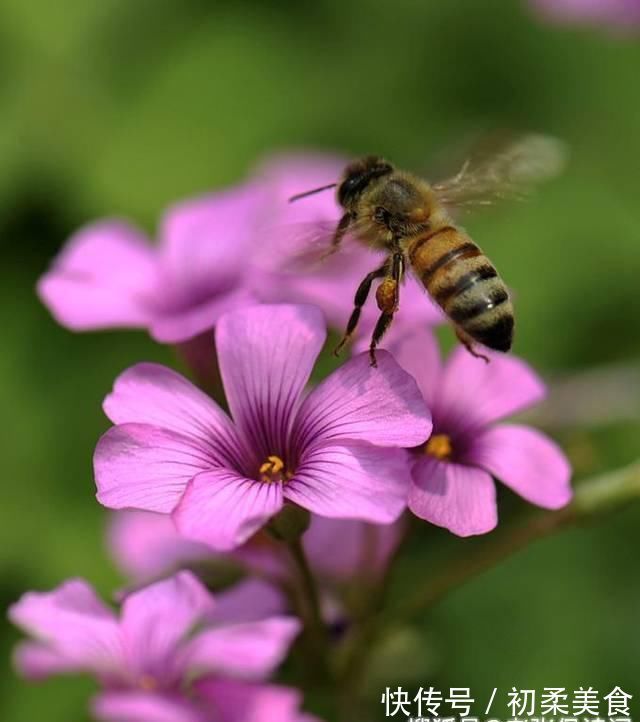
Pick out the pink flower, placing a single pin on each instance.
(452, 483)
(334, 451)
(146, 657)
(620, 14)
(291, 230)
(110, 276)
(241, 702)
(147, 545)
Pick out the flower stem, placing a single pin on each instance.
(309, 606)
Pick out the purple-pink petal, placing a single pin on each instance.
(266, 355)
(204, 240)
(459, 498)
(473, 393)
(351, 480)
(179, 324)
(149, 393)
(139, 466)
(223, 509)
(340, 549)
(147, 545)
(526, 461)
(249, 600)
(249, 650)
(134, 706)
(73, 625)
(382, 406)
(102, 278)
(237, 701)
(416, 349)
(156, 619)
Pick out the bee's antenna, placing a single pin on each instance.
(298, 196)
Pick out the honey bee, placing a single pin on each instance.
(412, 221)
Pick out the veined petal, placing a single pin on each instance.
(251, 650)
(146, 707)
(473, 393)
(149, 393)
(138, 466)
(157, 618)
(74, 629)
(382, 406)
(351, 480)
(236, 701)
(223, 509)
(266, 354)
(460, 498)
(526, 461)
(101, 279)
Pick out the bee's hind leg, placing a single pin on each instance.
(360, 299)
(388, 298)
(467, 342)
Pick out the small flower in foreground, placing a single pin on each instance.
(620, 14)
(335, 451)
(149, 654)
(451, 478)
(110, 276)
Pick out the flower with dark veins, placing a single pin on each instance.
(336, 451)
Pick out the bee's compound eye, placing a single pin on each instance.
(349, 188)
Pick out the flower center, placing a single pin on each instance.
(147, 683)
(274, 469)
(439, 446)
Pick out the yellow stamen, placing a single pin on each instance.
(147, 683)
(439, 445)
(273, 470)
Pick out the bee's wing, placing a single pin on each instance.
(509, 170)
(304, 247)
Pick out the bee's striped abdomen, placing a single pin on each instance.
(461, 279)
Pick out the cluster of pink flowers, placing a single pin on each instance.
(195, 485)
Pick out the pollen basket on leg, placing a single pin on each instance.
(274, 469)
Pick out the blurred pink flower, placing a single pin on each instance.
(217, 252)
(146, 545)
(110, 276)
(242, 702)
(147, 656)
(452, 483)
(335, 451)
(620, 14)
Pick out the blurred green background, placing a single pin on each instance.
(118, 107)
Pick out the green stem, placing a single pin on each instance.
(309, 604)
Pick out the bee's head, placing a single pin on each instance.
(358, 175)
